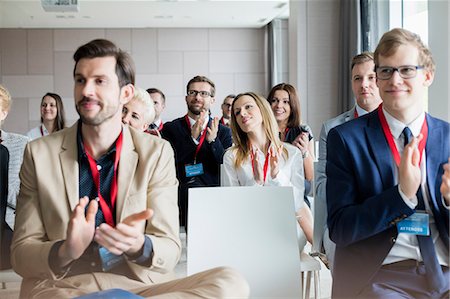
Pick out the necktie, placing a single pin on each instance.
(434, 272)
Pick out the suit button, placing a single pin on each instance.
(393, 240)
(160, 261)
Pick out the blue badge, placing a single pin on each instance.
(109, 260)
(193, 170)
(417, 224)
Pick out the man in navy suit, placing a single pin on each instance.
(390, 221)
(198, 140)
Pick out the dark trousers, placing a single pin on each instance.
(406, 279)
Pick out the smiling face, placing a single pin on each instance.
(281, 107)
(49, 110)
(98, 97)
(364, 85)
(133, 114)
(197, 103)
(404, 98)
(247, 113)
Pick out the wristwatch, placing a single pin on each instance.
(305, 154)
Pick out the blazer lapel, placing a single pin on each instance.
(127, 167)
(433, 150)
(69, 164)
(380, 150)
(435, 153)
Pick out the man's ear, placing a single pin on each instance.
(429, 77)
(126, 93)
(3, 115)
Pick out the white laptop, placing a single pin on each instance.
(252, 229)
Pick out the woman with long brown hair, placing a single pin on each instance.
(52, 116)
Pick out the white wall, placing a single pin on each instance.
(33, 62)
(313, 58)
(438, 39)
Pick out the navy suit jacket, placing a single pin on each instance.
(362, 215)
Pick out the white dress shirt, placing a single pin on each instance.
(406, 246)
(289, 175)
(37, 132)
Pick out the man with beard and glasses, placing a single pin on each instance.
(108, 217)
(199, 141)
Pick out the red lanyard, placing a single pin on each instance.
(390, 138)
(160, 126)
(106, 209)
(285, 134)
(202, 137)
(355, 114)
(266, 162)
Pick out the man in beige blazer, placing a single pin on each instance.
(73, 235)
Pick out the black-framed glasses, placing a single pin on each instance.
(405, 71)
(202, 93)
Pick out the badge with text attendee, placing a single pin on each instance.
(417, 224)
(193, 169)
(109, 260)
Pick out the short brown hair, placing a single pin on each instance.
(391, 40)
(361, 58)
(156, 90)
(294, 119)
(202, 79)
(125, 69)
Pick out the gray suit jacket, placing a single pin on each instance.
(320, 201)
(49, 193)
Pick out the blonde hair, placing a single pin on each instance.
(270, 126)
(143, 96)
(391, 40)
(5, 99)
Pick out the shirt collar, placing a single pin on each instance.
(360, 110)
(397, 126)
(192, 121)
(80, 145)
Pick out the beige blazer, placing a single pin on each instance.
(49, 193)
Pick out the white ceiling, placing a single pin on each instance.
(144, 14)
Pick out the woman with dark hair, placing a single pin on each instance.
(52, 116)
(285, 104)
(260, 158)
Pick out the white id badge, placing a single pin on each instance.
(417, 224)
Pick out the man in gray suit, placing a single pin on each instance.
(367, 97)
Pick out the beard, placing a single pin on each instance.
(103, 115)
(196, 110)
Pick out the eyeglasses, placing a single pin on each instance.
(405, 71)
(194, 93)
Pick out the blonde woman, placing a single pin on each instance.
(259, 158)
(139, 113)
(15, 143)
